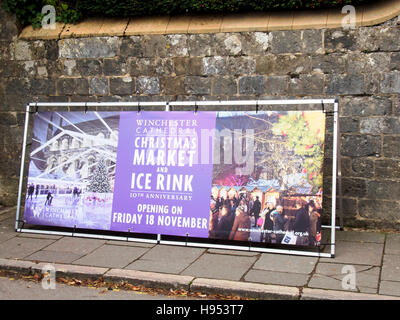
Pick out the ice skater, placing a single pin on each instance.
(49, 199)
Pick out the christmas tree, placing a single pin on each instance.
(99, 180)
(304, 134)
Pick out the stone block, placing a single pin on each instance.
(379, 209)
(394, 64)
(201, 45)
(240, 65)
(154, 46)
(214, 65)
(360, 63)
(115, 67)
(391, 146)
(312, 41)
(172, 85)
(89, 67)
(380, 125)
(228, 44)
(329, 63)
(189, 66)
(131, 47)
(362, 167)
(98, 86)
(96, 47)
(22, 51)
(354, 187)
(176, 45)
(387, 169)
(390, 82)
(147, 85)
(339, 40)
(252, 85)
(286, 41)
(197, 85)
(122, 86)
(66, 86)
(348, 125)
(344, 84)
(365, 106)
(43, 87)
(387, 189)
(224, 86)
(306, 84)
(255, 43)
(283, 64)
(361, 145)
(277, 85)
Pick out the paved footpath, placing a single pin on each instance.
(375, 257)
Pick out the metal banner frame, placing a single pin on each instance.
(336, 171)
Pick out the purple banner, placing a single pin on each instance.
(231, 175)
(160, 185)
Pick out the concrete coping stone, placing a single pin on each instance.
(366, 15)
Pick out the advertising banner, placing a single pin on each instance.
(241, 176)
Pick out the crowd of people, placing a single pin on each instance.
(241, 217)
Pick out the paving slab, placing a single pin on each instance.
(168, 259)
(390, 288)
(22, 247)
(252, 290)
(234, 252)
(38, 235)
(220, 266)
(54, 256)
(357, 253)
(277, 278)
(391, 267)
(7, 224)
(392, 244)
(111, 256)
(366, 280)
(318, 294)
(285, 263)
(130, 243)
(149, 279)
(80, 246)
(360, 236)
(4, 236)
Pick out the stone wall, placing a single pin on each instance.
(361, 67)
